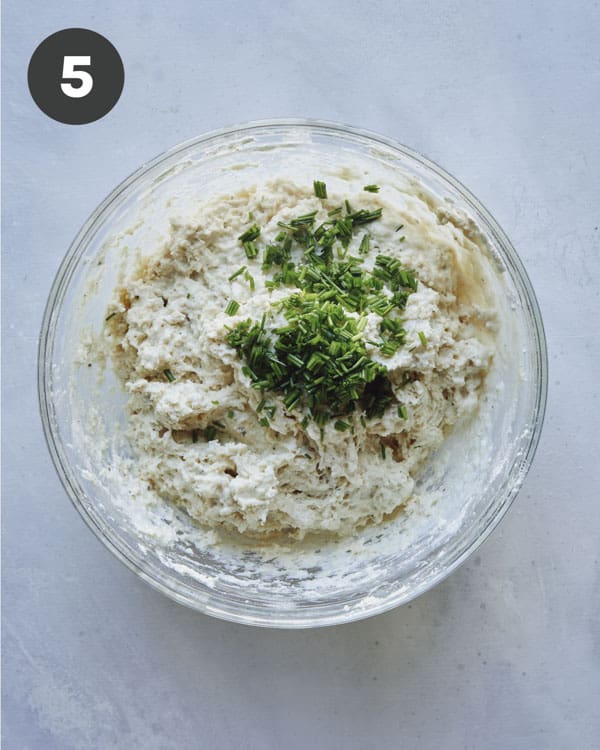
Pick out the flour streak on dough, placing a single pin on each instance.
(257, 481)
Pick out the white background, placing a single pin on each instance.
(505, 654)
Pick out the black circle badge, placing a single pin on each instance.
(75, 76)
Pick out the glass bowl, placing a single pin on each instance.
(474, 477)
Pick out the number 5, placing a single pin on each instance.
(69, 63)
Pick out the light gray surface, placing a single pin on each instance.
(503, 654)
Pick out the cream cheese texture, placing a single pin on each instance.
(169, 315)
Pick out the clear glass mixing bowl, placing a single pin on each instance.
(474, 478)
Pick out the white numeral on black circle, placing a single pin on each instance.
(86, 82)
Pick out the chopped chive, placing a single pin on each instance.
(334, 211)
(382, 447)
(371, 188)
(260, 406)
(300, 221)
(363, 216)
(347, 205)
(363, 421)
(250, 216)
(388, 348)
(250, 249)
(402, 239)
(237, 273)
(295, 360)
(250, 279)
(111, 315)
(230, 414)
(402, 413)
(422, 338)
(232, 307)
(291, 399)
(264, 422)
(305, 422)
(250, 234)
(210, 432)
(341, 426)
(320, 189)
(365, 244)
(399, 227)
(169, 375)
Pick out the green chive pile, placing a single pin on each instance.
(318, 361)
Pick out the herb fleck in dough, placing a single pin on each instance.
(198, 427)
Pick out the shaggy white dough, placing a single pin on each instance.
(259, 481)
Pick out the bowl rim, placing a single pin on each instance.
(270, 618)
